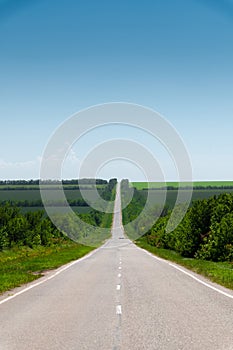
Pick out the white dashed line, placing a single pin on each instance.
(119, 267)
(118, 310)
(202, 282)
(119, 274)
(118, 287)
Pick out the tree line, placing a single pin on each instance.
(195, 187)
(33, 229)
(206, 231)
(80, 202)
(54, 182)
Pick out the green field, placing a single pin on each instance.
(144, 185)
(34, 194)
(171, 195)
(201, 190)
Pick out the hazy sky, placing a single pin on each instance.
(174, 56)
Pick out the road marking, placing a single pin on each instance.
(189, 274)
(118, 310)
(119, 274)
(120, 262)
(118, 287)
(202, 282)
(60, 270)
(119, 267)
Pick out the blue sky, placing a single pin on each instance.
(175, 56)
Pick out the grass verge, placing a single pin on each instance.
(218, 272)
(23, 265)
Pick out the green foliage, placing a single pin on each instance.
(4, 240)
(219, 244)
(29, 242)
(135, 206)
(137, 214)
(32, 229)
(26, 183)
(205, 232)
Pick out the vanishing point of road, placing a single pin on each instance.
(119, 297)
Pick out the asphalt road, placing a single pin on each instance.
(118, 297)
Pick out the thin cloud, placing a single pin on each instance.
(19, 170)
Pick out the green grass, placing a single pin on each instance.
(218, 272)
(142, 185)
(23, 265)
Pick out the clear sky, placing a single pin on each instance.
(174, 56)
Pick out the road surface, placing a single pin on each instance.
(118, 297)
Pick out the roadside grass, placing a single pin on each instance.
(218, 272)
(23, 265)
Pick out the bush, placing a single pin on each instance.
(205, 232)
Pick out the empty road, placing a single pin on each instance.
(118, 297)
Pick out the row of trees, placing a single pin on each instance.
(138, 213)
(206, 231)
(106, 191)
(35, 228)
(136, 200)
(30, 229)
(195, 187)
(38, 203)
(52, 182)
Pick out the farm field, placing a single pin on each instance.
(28, 197)
(144, 185)
(34, 194)
(171, 195)
(201, 190)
